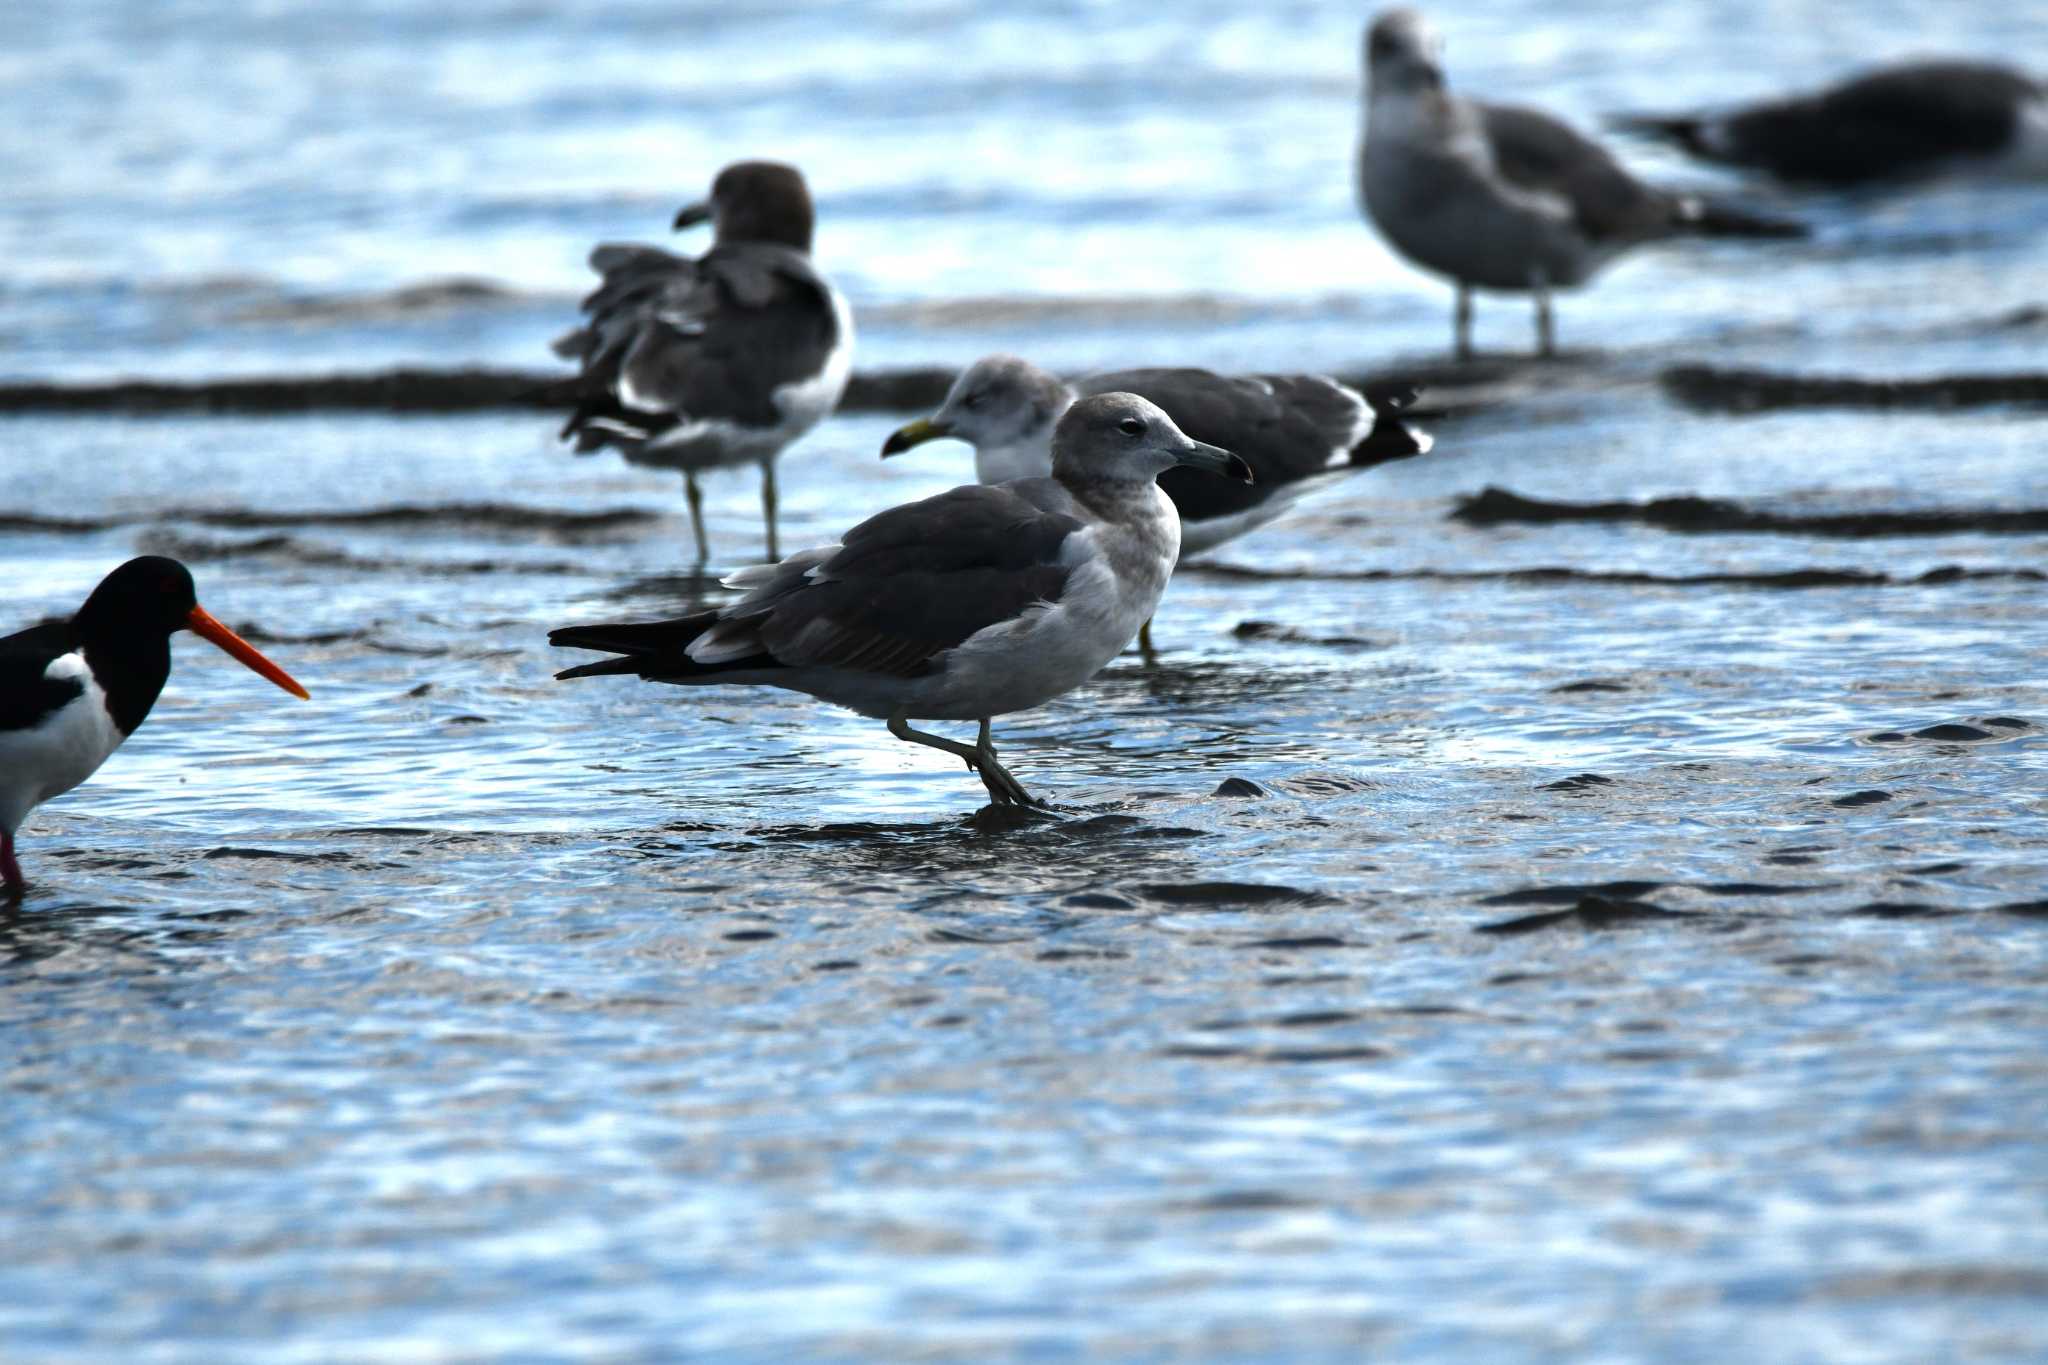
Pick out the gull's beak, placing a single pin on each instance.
(916, 434)
(202, 624)
(690, 215)
(1214, 460)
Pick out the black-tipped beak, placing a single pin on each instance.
(690, 215)
(1215, 460)
(916, 434)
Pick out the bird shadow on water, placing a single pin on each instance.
(995, 851)
(688, 592)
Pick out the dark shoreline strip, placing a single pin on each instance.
(1696, 515)
(1789, 579)
(415, 390)
(402, 390)
(1711, 388)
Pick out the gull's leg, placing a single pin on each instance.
(10, 871)
(1461, 321)
(980, 756)
(1546, 326)
(1003, 787)
(696, 496)
(1145, 650)
(769, 503)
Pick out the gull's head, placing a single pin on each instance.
(998, 401)
(756, 201)
(1403, 54)
(1122, 438)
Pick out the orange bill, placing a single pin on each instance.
(206, 627)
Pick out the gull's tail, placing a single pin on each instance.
(656, 650)
(1393, 436)
(1684, 131)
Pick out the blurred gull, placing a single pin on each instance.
(972, 604)
(1500, 197)
(1895, 123)
(1295, 431)
(721, 360)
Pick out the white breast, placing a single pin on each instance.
(803, 405)
(60, 753)
(1027, 459)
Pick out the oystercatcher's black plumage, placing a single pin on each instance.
(71, 691)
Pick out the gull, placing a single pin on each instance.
(1294, 431)
(985, 600)
(71, 691)
(724, 359)
(1500, 197)
(1897, 122)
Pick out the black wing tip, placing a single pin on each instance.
(1682, 129)
(1391, 397)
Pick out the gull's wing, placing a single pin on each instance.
(899, 591)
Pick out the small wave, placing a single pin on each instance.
(202, 550)
(428, 297)
(499, 516)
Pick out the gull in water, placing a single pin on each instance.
(1296, 432)
(724, 359)
(1499, 197)
(1901, 122)
(72, 691)
(985, 600)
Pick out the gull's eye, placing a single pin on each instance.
(974, 400)
(1131, 426)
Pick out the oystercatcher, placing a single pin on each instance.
(721, 360)
(989, 599)
(71, 691)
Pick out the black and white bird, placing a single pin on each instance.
(1500, 197)
(724, 359)
(71, 691)
(1296, 432)
(985, 600)
(1902, 122)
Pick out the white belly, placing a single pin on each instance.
(60, 753)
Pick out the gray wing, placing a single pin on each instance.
(1285, 426)
(671, 340)
(1539, 153)
(905, 586)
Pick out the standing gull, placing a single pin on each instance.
(1499, 197)
(1895, 123)
(1294, 431)
(972, 604)
(721, 360)
(71, 691)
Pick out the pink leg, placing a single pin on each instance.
(10, 870)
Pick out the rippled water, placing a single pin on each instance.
(1544, 938)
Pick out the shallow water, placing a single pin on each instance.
(1548, 939)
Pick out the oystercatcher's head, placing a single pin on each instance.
(153, 598)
